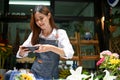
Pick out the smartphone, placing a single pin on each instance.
(32, 48)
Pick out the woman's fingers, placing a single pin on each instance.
(42, 48)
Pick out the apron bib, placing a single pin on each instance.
(46, 63)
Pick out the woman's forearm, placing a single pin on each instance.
(57, 50)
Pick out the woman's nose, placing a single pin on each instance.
(40, 21)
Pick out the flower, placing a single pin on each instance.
(77, 74)
(109, 61)
(100, 61)
(108, 76)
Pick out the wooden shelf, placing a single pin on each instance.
(89, 42)
(92, 57)
(78, 43)
(74, 58)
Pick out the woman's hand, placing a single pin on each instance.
(23, 50)
(43, 48)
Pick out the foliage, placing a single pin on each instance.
(63, 73)
(5, 51)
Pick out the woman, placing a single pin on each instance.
(53, 43)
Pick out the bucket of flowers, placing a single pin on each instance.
(109, 61)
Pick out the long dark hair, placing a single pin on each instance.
(35, 29)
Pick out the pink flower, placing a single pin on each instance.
(115, 55)
(106, 52)
(100, 61)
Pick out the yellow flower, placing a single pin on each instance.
(1, 44)
(3, 49)
(26, 76)
(9, 46)
(114, 61)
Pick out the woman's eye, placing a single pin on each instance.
(36, 20)
(41, 18)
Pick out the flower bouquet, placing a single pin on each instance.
(24, 76)
(21, 75)
(109, 61)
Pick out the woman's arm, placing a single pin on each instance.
(64, 44)
(23, 52)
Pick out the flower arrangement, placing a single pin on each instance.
(109, 61)
(5, 51)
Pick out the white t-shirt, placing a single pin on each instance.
(63, 42)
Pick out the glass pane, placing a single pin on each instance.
(73, 26)
(18, 32)
(74, 9)
(116, 21)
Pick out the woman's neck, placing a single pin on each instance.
(46, 32)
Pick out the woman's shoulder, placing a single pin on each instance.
(61, 31)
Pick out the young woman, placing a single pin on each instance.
(53, 43)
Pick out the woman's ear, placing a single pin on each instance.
(49, 15)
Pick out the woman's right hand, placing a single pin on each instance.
(23, 50)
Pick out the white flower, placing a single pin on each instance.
(76, 74)
(108, 76)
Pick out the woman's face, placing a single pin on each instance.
(42, 20)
